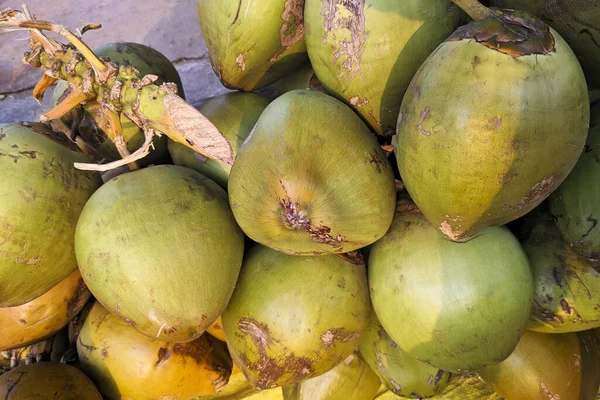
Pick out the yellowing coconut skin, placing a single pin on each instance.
(547, 366)
(127, 364)
(33, 321)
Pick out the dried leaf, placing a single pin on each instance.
(195, 130)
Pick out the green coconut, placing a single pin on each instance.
(234, 114)
(147, 61)
(252, 44)
(47, 381)
(311, 178)
(575, 204)
(578, 21)
(401, 373)
(352, 379)
(367, 51)
(543, 366)
(293, 318)
(487, 130)
(567, 287)
(160, 248)
(455, 306)
(41, 197)
(302, 78)
(468, 387)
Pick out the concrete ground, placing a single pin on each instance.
(170, 27)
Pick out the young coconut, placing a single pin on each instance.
(467, 387)
(543, 366)
(576, 203)
(234, 114)
(401, 373)
(311, 178)
(33, 321)
(37, 381)
(293, 318)
(567, 286)
(41, 197)
(463, 305)
(253, 43)
(96, 128)
(578, 21)
(367, 51)
(492, 123)
(127, 364)
(352, 379)
(171, 280)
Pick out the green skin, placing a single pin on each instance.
(234, 114)
(367, 51)
(473, 299)
(169, 280)
(486, 143)
(352, 379)
(403, 374)
(302, 78)
(41, 197)
(564, 366)
(578, 21)
(575, 202)
(41, 380)
(459, 388)
(567, 287)
(147, 61)
(251, 43)
(293, 318)
(312, 179)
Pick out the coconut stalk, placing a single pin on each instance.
(117, 89)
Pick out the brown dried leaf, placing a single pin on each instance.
(195, 130)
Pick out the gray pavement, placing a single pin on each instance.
(171, 27)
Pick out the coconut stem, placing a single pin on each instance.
(474, 9)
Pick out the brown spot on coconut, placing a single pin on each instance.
(334, 178)
(317, 323)
(248, 58)
(373, 48)
(547, 366)
(351, 379)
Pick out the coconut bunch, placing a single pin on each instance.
(394, 200)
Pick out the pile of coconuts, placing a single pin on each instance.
(412, 213)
